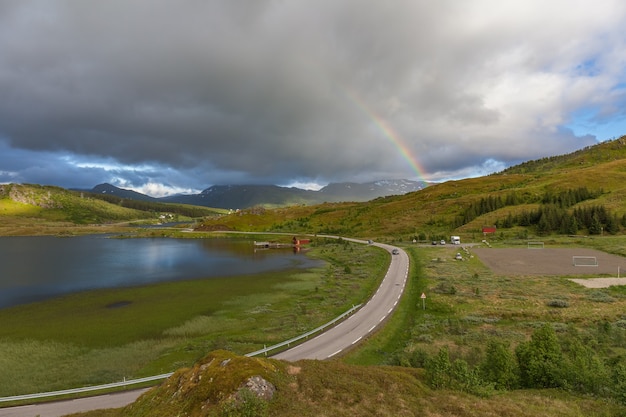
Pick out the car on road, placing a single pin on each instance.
(395, 252)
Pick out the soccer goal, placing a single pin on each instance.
(535, 245)
(584, 261)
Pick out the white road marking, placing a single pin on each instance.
(333, 354)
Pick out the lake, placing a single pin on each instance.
(41, 267)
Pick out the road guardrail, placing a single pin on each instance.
(306, 335)
(130, 382)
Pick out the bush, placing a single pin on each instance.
(445, 288)
(601, 297)
(245, 404)
(438, 369)
(558, 303)
(582, 370)
(540, 359)
(442, 374)
(499, 366)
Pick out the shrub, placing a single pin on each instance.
(245, 404)
(467, 379)
(619, 381)
(499, 366)
(438, 369)
(582, 370)
(540, 359)
(445, 288)
(558, 303)
(601, 297)
(419, 358)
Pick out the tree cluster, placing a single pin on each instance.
(568, 362)
(151, 206)
(554, 214)
(551, 218)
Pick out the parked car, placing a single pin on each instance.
(434, 242)
(443, 242)
(458, 257)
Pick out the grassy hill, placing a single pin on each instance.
(34, 209)
(442, 209)
(223, 384)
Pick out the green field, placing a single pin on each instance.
(104, 336)
(467, 308)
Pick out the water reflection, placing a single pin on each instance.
(35, 268)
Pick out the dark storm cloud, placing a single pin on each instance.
(206, 92)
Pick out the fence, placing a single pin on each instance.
(130, 382)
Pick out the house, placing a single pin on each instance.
(489, 229)
(298, 242)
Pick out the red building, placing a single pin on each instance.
(489, 229)
(298, 242)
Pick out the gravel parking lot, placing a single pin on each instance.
(554, 261)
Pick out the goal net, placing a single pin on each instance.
(584, 261)
(535, 245)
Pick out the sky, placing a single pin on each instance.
(174, 96)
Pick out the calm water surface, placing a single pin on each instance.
(37, 268)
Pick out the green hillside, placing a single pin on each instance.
(463, 207)
(506, 199)
(35, 209)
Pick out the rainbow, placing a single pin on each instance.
(389, 133)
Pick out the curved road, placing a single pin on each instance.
(332, 342)
(358, 326)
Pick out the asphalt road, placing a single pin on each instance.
(331, 343)
(366, 320)
(62, 408)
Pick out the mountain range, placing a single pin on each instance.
(245, 196)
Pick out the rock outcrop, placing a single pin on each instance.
(222, 380)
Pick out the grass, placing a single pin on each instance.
(468, 305)
(103, 336)
(332, 388)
